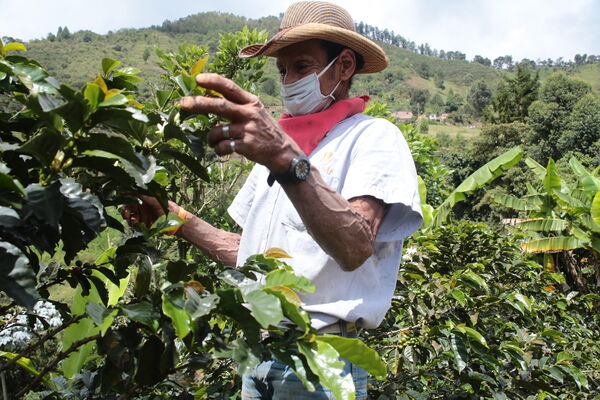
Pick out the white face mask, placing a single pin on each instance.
(304, 96)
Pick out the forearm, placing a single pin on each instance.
(219, 245)
(340, 230)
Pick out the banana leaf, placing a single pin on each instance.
(595, 210)
(510, 201)
(553, 244)
(543, 225)
(476, 180)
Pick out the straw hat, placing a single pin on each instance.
(307, 20)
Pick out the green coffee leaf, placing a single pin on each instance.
(199, 306)
(108, 64)
(358, 353)
(265, 307)
(285, 276)
(324, 362)
(168, 152)
(97, 312)
(173, 307)
(459, 352)
(473, 334)
(291, 310)
(17, 278)
(142, 312)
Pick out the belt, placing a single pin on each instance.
(339, 328)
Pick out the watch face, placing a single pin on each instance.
(302, 169)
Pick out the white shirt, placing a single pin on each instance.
(360, 156)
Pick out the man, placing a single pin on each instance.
(334, 188)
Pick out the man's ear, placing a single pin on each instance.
(348, 62)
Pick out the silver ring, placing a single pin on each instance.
(225, 130)
(232, 145)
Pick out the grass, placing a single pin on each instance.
(468, 132)
(591, 74)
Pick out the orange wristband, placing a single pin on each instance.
(181, 213)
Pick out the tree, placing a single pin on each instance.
(437, 104)
(480, 96)
(582, 133)
(439, 80)
(423, 126)
(63, 33)
(269, 87)
(418, 100)
(424, 70)
(550, 118)
(453, 101)
(515, 95)
(146, 54)
(563, 90)
(483, 61)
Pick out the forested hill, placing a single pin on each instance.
(74, 58)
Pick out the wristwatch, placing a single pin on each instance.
(298, 172)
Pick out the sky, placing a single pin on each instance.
(522, 28)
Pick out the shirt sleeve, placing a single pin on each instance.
(382, 166)
(240, 207)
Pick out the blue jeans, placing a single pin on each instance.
(274, 380)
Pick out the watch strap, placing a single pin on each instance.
(289, 177)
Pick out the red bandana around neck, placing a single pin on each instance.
(308, 130)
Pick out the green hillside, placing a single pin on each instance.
(76, 60)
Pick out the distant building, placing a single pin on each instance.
(437, 117)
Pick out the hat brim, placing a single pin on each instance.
(373, 55)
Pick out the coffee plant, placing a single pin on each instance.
(474, 318)
(150, 317)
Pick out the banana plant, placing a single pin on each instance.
(558, 217)
(434, 217)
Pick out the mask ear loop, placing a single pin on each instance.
(333, 90)
(325, 70)
(327, 67)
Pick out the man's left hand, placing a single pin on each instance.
(255, 134)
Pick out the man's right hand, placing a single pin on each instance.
(146, 211)
(218, 244)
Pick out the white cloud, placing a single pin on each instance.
(521, 28)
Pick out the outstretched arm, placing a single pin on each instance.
(344, 229)
(219, 245)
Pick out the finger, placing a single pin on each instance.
(226, 87)
(224, 147)
(131, 213)
(214, 105)
(216, 134)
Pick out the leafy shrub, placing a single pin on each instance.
(147, 314)
(474, 318)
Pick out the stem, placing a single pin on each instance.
(61, 356)
(4, 394)
(390, 333)
(29, 349)
(574, 272)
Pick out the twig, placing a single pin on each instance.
(61, 356)
(29, 349)
(390, 333)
